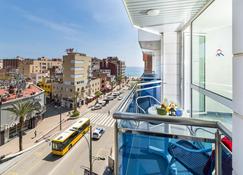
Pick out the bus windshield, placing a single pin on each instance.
(57, 146)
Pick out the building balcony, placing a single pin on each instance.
(143, 96)
(148, 143)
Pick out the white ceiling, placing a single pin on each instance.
(173, 13)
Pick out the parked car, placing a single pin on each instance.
(106, 100)
(110, 97)
(116, 93)
(96, 107)
(103, 103)
(98, 132)
(120, 98)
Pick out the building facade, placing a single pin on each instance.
(9, 122)
(76, 75)
(1, 64)
(12, 64)
(95, 85)
(36, 69)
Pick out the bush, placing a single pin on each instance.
(75, 113)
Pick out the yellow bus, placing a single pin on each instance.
(67, 139)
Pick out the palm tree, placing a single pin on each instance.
(21, 110)
(118, 80)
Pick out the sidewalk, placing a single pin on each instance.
(45, 128)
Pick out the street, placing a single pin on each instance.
(40, 161)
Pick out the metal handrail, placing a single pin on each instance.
(173, 120)
(148, 88)
(123, 104)
(146, 96)
(179, 121)
(150, 82)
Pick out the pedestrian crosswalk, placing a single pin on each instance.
(103, 119)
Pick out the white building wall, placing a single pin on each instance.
(171, 67)
(237, 87)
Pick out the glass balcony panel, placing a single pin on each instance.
(142, 154)
(206, 108)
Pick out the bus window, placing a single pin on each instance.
(57, 146)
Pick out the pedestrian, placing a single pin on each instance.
(35, 133)
(109, 112)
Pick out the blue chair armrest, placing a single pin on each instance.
(192, 150)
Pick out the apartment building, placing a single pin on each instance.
(76, 76)
(12, 64)
(36, 69)
(1, 64)
(94, 86)
(119, 64)
(113, 66)
(4, 74)
(95, 64)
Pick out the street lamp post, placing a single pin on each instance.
(60, 113)
(90, 150)
(89, 142)
(60, 116)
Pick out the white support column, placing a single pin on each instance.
(237, 87)
(171, 66)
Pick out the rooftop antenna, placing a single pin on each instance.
(69, 50)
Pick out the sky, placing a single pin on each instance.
(36, 28)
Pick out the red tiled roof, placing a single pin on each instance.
(31, 90)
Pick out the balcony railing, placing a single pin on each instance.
(152, 144)
(143, 96)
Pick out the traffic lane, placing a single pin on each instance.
(77, 159)
(39, 157)
(34, 162)
(40, 160)
(113, 104)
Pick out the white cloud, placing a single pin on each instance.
(66, 28)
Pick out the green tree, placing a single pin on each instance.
(75, 101)
(119, 80)
(98, 93)
(21, 110)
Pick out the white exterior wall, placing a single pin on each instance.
(171, 67)
(237, 87)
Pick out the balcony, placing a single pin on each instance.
(152, 144)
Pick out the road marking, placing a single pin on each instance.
(90, 116)
(104, 119)
(100, 118)
(113, 122)
(97, 117)
(93, 116)
(110, 123)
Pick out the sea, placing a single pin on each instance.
(134, 71)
